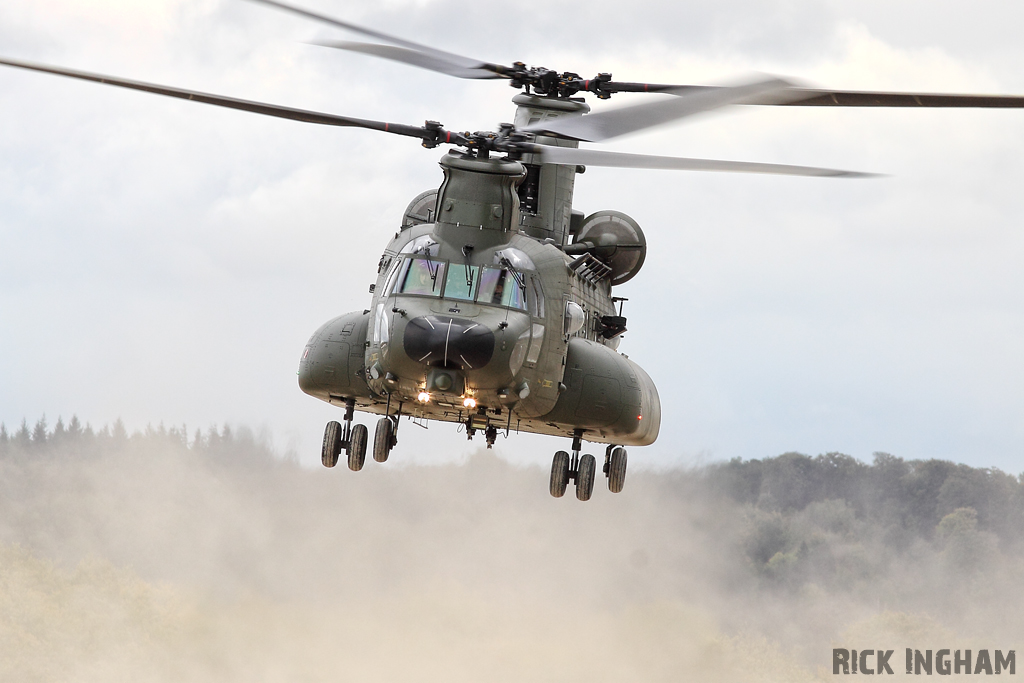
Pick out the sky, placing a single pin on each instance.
(165, 261)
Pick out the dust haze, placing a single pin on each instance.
(166, 557)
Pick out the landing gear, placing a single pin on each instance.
(384, 439)
(351, 438)
(580, 469)
(585, 476)
(332, 445)
(559, 474)
(357, 448)
(615, 468)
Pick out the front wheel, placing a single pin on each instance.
(559, 474)
(332, 445)
(585, 477)
(357, 448)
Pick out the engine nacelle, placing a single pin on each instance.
(617, 241)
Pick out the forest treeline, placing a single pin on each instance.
(794, 519)
(834, 521)
(907, 497)
(83, 439)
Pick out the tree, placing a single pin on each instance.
(24, 437)
(39, 432)
(74, 428)
(59, 433)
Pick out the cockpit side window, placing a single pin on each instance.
(536, 298)
(389, 283)
(500, 286)
(461, 282)
(421, 276)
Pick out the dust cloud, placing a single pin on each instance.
(158, 558)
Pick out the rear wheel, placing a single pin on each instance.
(585, 477)
(382, 439)
(332, 444)
(617, 470)
(559, 474)
(357, 448)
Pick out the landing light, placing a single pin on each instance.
(424, 397)
(469, 403)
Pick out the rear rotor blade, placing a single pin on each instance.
(465, 62)
(610, 124)
(244, 105)
(571, 156)
(424, 60)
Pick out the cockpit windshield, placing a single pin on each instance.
(421, 276)
(462, 282)
(501, 287)
(486, 285)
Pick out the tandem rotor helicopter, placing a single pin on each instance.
(493, 305)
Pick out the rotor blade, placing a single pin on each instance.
(809, 97)
(816, 97)
(424, 60)
(610, 124)
(459, 60)
(588, 157)
(232, 103)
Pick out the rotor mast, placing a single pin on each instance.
(545, 195)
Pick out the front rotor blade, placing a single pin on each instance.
(588, 157)
(424, 60)
(465, 62)
(232, 103)
(610, 124)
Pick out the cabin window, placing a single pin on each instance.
(421, 276)
(501, 287)
(424, 245)
(461, 282)
(514, 258)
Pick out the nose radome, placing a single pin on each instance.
(448, 342)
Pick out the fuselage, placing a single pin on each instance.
(480, 316)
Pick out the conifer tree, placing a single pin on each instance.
(74, 428)
(24, 437)
(59, 433)
(39, 434)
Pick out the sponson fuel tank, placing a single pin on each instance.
(608, 395)
(332, 362)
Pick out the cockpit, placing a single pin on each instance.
(487, 285)
(419, 273)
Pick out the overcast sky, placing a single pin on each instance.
(164, 260)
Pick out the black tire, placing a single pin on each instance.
(332, 445)
(585, 477)
(617, 470)
(357, 448)
(382, 439)
(559, 474)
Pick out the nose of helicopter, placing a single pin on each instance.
(449, 342)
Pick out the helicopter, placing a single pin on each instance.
(493, 304)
